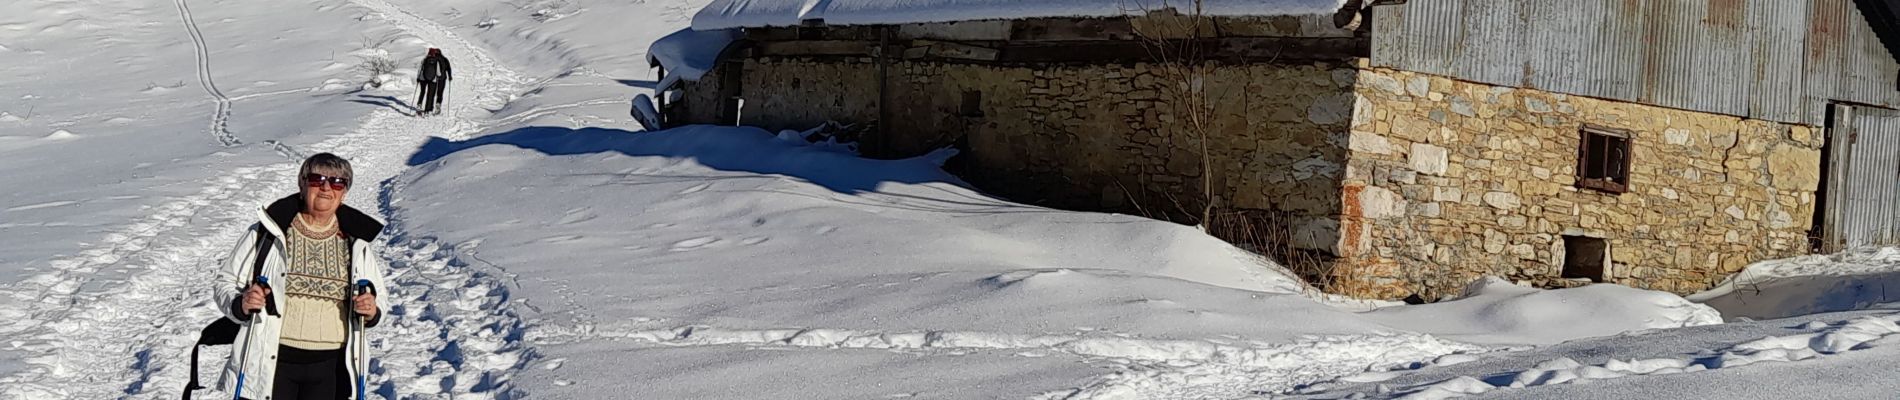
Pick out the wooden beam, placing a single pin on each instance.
(774, 34)
(1041, 29)
(951, 51)
(817, 48)
(965, 31)
(1235, 50)
(1231, 50)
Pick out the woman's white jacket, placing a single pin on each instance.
(258, 358)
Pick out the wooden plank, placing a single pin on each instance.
(1083, 51)
(917, 53)
(817, 48)
(957, 31)
(1041, 29)
(1304, 49)
(1226, 50)
(776, 34)
(959, 51)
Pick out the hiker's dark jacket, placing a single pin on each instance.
(435, 68)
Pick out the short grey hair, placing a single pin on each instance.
(326, 164)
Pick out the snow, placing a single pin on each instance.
(689, 53)
(731, 235)
(540, 246)
(1667, 361)
(1851, 280)
(1494, 311)
(128, 218)
(726, 14)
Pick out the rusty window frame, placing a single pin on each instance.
(1603, 159)
(972, 104)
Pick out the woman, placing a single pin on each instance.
(302, 335)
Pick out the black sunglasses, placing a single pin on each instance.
(336, 183)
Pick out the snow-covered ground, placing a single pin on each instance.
(1851, 280)
(541, 248)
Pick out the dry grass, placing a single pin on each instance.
(1270, 234)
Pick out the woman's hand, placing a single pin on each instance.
(365, 305)
(254, 298)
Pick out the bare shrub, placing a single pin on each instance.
(1270, 234)
(376, 68)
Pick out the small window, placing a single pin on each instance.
(1603, 160)
(811, 32)
(972, 104)
(1586, 257)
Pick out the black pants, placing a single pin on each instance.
(431, 95)
(310, 375)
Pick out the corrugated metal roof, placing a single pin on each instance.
(1776, 60)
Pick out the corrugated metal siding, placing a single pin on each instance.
(1430, 34)
(1870, 71)
(1778, 60)
(1388, 19)
(1780, 68)
(1488, 28)
(1868, 211)
(1583, 48)
(1824, 54)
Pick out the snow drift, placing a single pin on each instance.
(1494, 311)
(1851, 280)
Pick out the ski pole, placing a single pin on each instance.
(244, 356)
(362, 363)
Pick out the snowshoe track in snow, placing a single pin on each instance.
(1147, 368)
(222, 115)
(451, 333)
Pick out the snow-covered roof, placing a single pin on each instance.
(688, 54)
(725, 14)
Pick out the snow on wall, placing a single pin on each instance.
(724, 14)
(688, 54)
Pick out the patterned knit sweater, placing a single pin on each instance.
(317, 289)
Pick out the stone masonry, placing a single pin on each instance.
(1098, 137)
(1486, 176)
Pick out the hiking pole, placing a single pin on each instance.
(244, 356)
(362, 362)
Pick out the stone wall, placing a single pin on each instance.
(793, 94)
(1110, 136)
(698, 102)
(1099, 137)
(1480, 180)
(783, 93)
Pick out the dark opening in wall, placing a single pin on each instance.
(812, 31)
(734, 111)
(972, 104)
(1586, 257)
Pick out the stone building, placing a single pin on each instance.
(1397, 148)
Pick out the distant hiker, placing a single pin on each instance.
(434, 78)
(302, 327)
